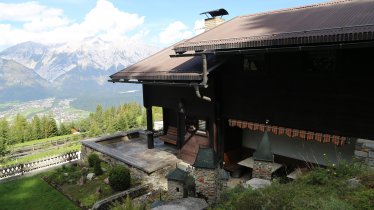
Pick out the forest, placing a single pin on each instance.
(122, 118)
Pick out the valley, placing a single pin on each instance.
(60, 109)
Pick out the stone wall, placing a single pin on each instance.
(364, 151)
(134, 192)
(262, 170)
(156, 179)
(207, 183)
(175, 190)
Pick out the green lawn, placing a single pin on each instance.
(28, 143)
(31, 111)
(41, 155)
(80, 112)
(32, 193)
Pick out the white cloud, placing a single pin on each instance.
(107, 18)
(199, 26)
(49, 25)
(174, 32)
(26, 11)
(177, 31)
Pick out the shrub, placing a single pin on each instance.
(97, 168)
(92, 159)
(318, 176)
(64, 175)
(363, 199)
(119, 178)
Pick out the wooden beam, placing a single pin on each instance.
(150, 128)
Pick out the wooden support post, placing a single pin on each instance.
(165, 116)
(211, 133)
(150, 128)
(181, 129)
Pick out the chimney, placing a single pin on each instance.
(214, 18)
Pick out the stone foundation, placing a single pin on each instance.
(364, 151)
(156, 179)
(175, 190)
(207, 183)
(262, 170)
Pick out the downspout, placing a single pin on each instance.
(205, 79)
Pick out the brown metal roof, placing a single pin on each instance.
(161, 67)
(331, 22)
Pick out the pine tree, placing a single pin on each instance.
(4, 135)
(18, 129)
(64, 129)
(98, 115)
(121, 124)
(44, 125)
(52, 127)
(94, 129)
(37, 131)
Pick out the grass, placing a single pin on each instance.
(67, 177)
(29, 143)
(85, 194)
(320, 189)
(44, 154)
(80, 112)
(30, 112)
(32, 193)
(5, 105)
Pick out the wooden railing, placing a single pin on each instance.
(22, 168)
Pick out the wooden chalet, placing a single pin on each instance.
(306, 70)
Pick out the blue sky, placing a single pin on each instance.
(154, 22)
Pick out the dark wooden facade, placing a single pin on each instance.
(328, 91)
(306, 68)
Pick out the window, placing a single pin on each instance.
(201, 127)
(253, 63)
(320, 62)
(194, 125)
(177, 189)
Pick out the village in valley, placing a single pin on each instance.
(60, 109)
(265, 108)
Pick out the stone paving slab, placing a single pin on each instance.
(184, 204)
(134, 152)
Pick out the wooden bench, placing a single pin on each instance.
(171, 135)
(231, 159)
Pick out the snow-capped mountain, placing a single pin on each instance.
(74, 69)
(18, 81)
(53, 61)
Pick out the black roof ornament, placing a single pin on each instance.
(263, 151)
(214, 13)
(206, 158)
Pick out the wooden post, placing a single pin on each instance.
(150, 128)
(180, 129)
(211, 133)
(165, 115)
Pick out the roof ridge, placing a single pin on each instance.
(197, 35)
(171, 47)
(321, 4)
(281, 33)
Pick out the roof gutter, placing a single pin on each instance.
(154, 83)
(204, 83)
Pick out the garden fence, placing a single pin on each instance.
(22, 168)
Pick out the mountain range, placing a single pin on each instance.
(75, 69)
